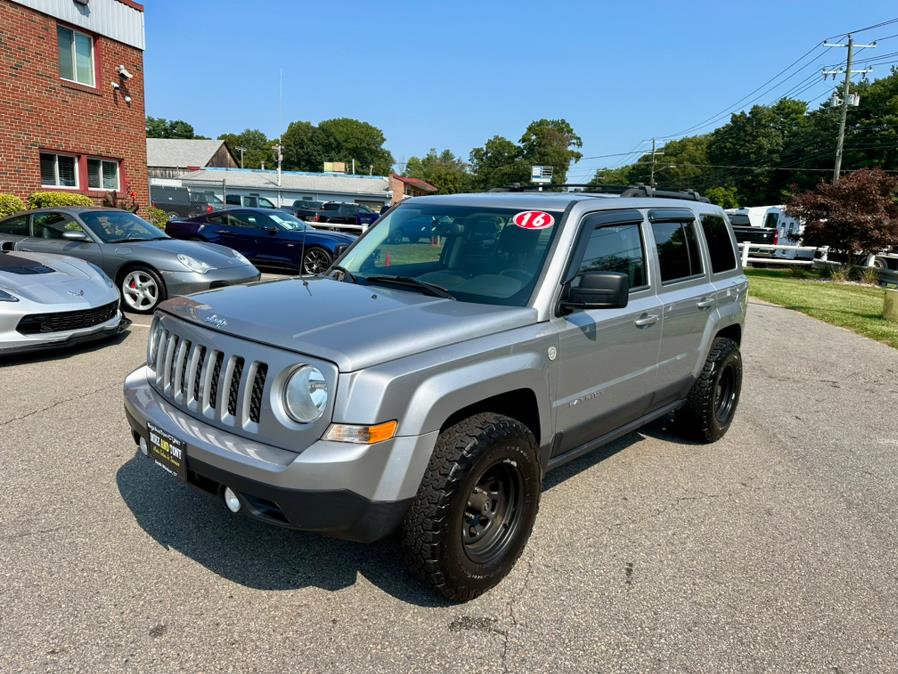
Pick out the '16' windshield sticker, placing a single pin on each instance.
(533, 220)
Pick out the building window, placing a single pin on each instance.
(76, 56)
(59, 170)
(102, 174)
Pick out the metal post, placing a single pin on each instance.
(745, 247)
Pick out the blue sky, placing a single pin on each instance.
(451, 75)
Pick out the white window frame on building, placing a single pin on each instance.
(73, 57)
(103, 185)
(57, 183)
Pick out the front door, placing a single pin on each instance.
(242, 233)
(607, 358)
(48, 230)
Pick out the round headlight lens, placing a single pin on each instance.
(305, 395)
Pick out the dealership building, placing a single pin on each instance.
(72, 113)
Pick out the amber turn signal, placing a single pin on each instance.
(362, 435)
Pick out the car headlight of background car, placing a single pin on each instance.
(6, 296)
(193, 264)
(305, 394)
(240, 257)
(103, 275)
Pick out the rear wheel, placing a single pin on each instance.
(315, 261)
(475, 509)
(713, 398)
(142, 290)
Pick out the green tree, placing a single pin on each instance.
(344, 139)
(444, 171)
(303, 147)
(157, 127)
(499, 163)
(257, 147)
(551, 142)
(723, 196)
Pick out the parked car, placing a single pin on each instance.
(146, 264)
(749, 227)
(183, 202)
(426, 390)
(338, 212)
(306, 210)
(269, 239)
(51, 301)
(248, 201)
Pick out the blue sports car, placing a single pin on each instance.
(269, 238)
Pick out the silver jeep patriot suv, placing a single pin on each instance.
(426, 384)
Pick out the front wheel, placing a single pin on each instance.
(475, 509)
(142, 290)
(713, 398)
(315, 261)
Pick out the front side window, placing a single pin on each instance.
(616, 248)
(233, 199)
(265, 203)
(475, 254)
(102, 174)
(52, 225)
(244, 219)
(678, 250)
(720, 245)
(76, 56)
(59, 170)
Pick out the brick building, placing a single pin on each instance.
(403, 188)
(71, 118)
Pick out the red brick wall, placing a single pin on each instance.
(39, 111)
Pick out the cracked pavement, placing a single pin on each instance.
(774, 549)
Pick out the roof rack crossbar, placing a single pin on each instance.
(637, 190)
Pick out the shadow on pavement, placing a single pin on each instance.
(256, 554)
(62, 352)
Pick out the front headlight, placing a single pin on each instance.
(240, 257)
(193, 264)
(305, 394)
(102, 274)
(7, 297)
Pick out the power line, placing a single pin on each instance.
(861, 30)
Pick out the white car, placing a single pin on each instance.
(54, 300)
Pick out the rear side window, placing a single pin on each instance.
(233, 199)
(616, 248)
(678, 250)
(720, 246)
(15, 226)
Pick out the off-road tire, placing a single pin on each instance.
(700, 419)
(432, 531)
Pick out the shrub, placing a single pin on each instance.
(870, 276)
(841, 274)
(57, 200)
(9, 204)
(158, 217)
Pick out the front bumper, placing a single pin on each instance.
(187, 282)
(356, 492)
(16, 343)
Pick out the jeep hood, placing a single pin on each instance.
(353, 326)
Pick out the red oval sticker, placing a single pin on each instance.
(533, 220)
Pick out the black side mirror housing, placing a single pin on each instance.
(272, 230)
(598, 290)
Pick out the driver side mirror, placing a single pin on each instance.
(598, 290)
(75, 235)
(272, 230)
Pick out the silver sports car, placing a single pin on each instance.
(51, 300)
(147, 265)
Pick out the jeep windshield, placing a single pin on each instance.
(472, 253)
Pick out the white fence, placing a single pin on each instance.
(798, 259)
(339, 227)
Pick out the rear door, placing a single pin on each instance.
(607, 358)
(48, 229)
(726, 277)
(688, 300)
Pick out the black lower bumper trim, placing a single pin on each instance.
(341, 514)
(106, 333)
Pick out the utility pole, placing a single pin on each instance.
(846, 86)
(241, 150)
(654, 154)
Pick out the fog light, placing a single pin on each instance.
(143, 446)
(231, 500)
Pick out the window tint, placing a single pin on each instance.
(331, 206)
(16, 226)
(678, 251)
(615, 248)
(52, 225)
(720, 246)
(771, 219)
(219, 219)
(233, 199)
(244, 220)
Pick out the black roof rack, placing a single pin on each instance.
(637, 190)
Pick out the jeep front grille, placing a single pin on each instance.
(224, 387)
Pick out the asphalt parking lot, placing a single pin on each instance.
(775, 549)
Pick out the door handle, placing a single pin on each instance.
(705, 302)
(646, 320)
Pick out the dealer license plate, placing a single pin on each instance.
(167, 451)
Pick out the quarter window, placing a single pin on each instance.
(720, 245)
(76, 56)
(59, 170)
(615, 248)
(15, 226)
(679, 255)
(102, 174)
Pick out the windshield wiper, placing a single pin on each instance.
(412, 282)
(152, 238)
(346, 273)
